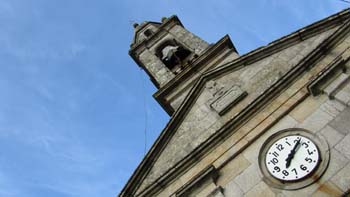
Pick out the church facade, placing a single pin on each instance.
(272, 122)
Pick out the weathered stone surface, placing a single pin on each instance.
(337, 162)
(344, 146)
(327, 189)
(343, 97)
(217, 193)
(306, 108)
(188, 136)
(164, 76)
(332, 135)
(264, 73)
(248, 178)
(342, 178)
(152, 63)
(233, 190)
(251, 152)
(178, 100)
(304, 192)
(140, 35)
(228, 59)
(191, 40)
(316, 120)
(332, 107)
(232, 169)
(285, 123)
(205, 190)
(335, 85)
(242, 176)
(260, 189)
(341, 123)
(233, 95)
(193, 129)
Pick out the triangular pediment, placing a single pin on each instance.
(223, 93)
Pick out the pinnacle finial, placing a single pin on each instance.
(164, 18)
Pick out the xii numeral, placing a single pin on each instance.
(280, 147)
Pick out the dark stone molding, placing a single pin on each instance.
(337, 66)
(208, 173)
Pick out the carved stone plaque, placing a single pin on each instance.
(228, 99)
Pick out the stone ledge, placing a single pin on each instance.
(208, 173)
(334, 86)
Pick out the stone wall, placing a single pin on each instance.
(211, 145)
(321, 115)
(327, 114)
(202, 121)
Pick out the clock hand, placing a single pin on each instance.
(292, 153)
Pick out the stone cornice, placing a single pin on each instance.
(337, 66)
(291, 39)
(209, 172)
(243, 116)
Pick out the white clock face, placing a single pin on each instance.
(292, 158)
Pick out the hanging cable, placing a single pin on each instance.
(145, 111)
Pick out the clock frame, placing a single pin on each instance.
(292, 158)
(307, 163)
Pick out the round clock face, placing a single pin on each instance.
(292, 158)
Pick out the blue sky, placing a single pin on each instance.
(73, 103)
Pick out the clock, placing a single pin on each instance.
(293, 158)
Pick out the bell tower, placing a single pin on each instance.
(174, 58)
